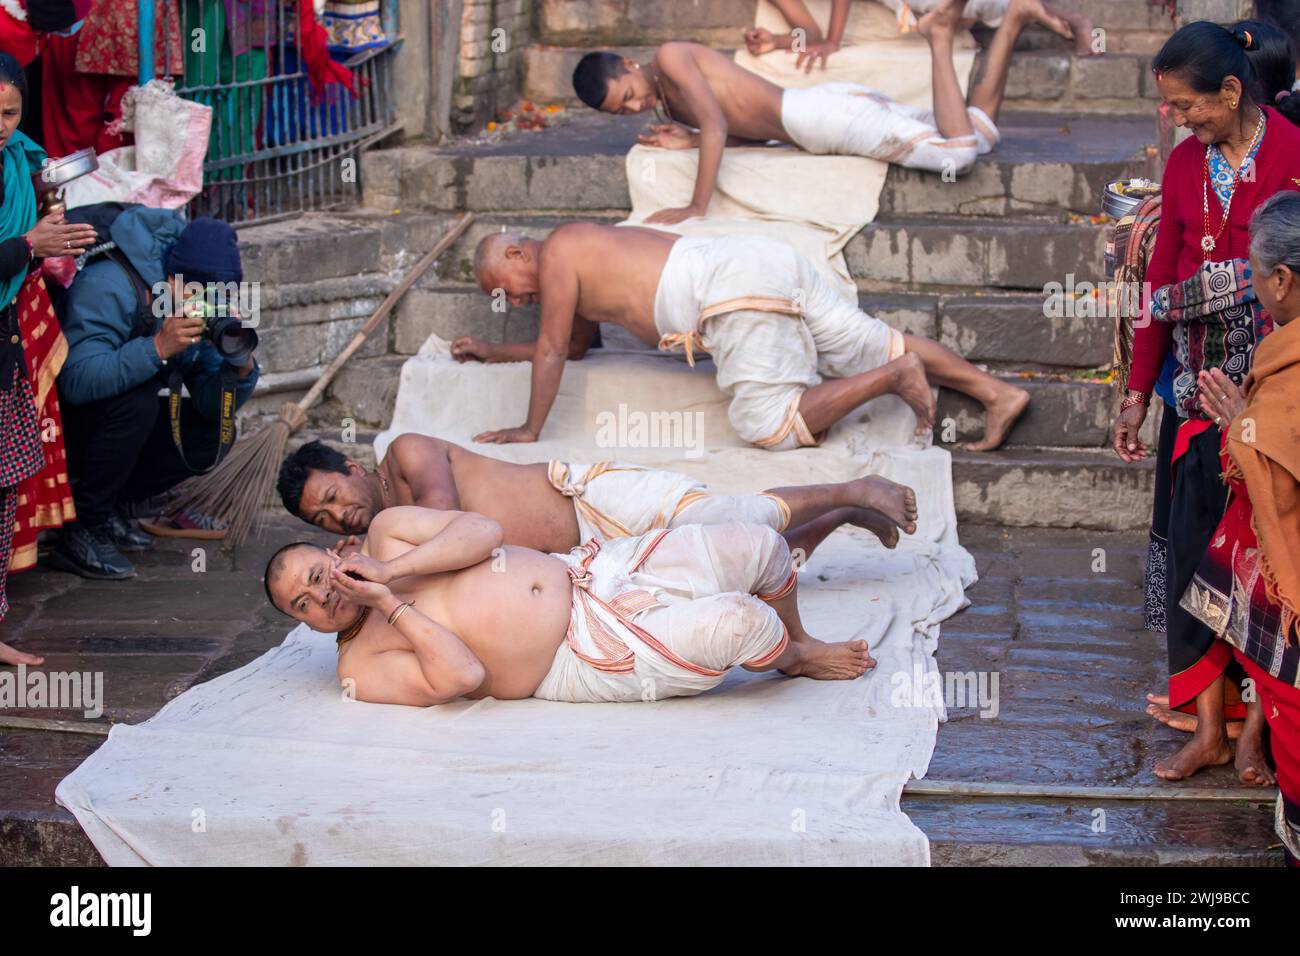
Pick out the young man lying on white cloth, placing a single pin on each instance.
(813, 46)
(555, 506)
(727, 105)
(774, 327)
(434, 606)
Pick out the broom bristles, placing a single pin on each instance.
(236, 491)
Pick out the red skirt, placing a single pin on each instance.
(44, 499)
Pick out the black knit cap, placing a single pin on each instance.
(207, 251)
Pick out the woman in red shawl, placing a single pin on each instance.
(33, 482)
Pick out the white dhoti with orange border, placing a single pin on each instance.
(773, 326)
(613, 499)
(669, 613)
(848, 119)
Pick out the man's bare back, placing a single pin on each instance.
(434, 473)
(750, 104)
(617, 269)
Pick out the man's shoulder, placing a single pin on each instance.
(677, 51)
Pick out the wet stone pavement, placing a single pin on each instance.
(1064, 640)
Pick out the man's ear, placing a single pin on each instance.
(516, 252)
(353, 468)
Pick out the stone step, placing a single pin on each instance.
(1063, 412)
(720, 22)
(1118, 82)
(1046, 165)
(1052, 488)
(1002, 331)
(927, 253)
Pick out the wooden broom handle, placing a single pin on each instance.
(372, 323)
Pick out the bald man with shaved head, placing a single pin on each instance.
(792, 353)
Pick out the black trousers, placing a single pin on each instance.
(120, 449)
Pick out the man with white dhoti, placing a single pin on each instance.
(709, 102)
(435, 606)
(793, 354)
(555, 506)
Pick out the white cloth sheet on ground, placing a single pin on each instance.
(873, 52)
(814, 203)
(760, 770)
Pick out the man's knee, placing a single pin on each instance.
(769, 421)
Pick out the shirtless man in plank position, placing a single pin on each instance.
(710, 102)
(556, 506)
(792, 353)
(434, 606)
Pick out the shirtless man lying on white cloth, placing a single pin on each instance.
(794, 355)
(555, 506)
(435, 607)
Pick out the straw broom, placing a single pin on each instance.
(236, 490)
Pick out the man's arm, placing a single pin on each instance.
(437, 668)
(408, 541)
(467, 348)
(424, 464)
(677, 62)
(103, 359)
(559, 282)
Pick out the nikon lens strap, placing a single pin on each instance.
(226, 434)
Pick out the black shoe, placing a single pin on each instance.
(125, 535)
(89, 551)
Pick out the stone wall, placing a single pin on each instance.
(489, 75)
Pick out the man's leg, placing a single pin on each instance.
(939, 26)
(991, 84)
(748, 573)
(823, 405)
(104, 440)
(1003, 402)
(159, 467)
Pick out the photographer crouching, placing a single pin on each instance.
(136, 325)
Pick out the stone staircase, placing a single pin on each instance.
(963, 262)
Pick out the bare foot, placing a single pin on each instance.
(1200, 751)
(1252, 761)
(1034, 11)
(945, 18)
(898, 502)
(845, 660)
(11, 655)
(910, 384)
(1080, 26)
(1187, 723)
(999, 415)
(878, 523)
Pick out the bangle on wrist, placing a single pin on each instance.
(399, 611)
(1135, 397)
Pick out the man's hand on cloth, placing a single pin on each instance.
(469, 349)
(669, 136)
(669, 217)
(817, 51)
(507, 436)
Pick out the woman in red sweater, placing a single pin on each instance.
(1240, 153)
